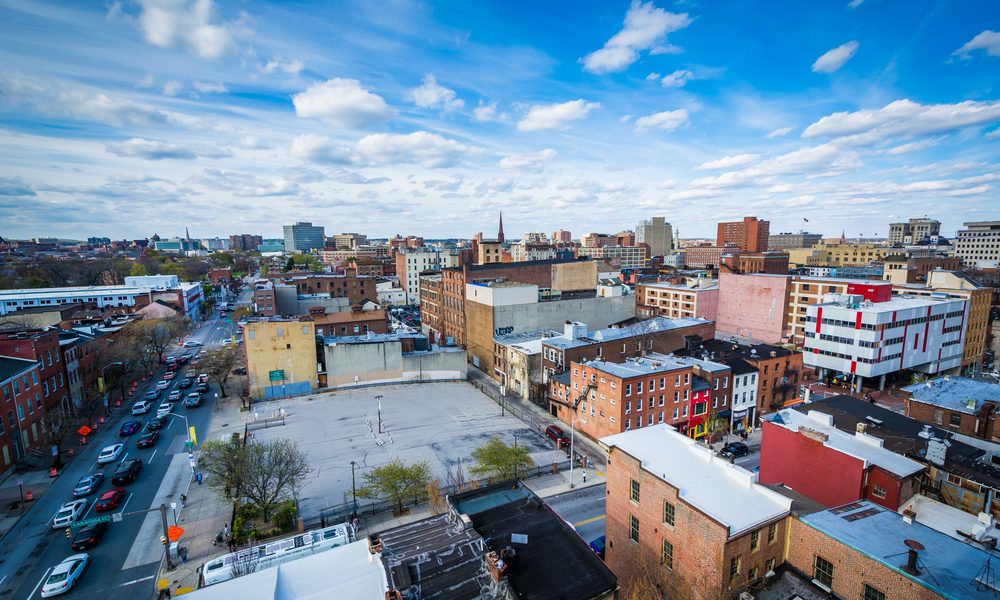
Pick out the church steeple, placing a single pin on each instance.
(500, 232)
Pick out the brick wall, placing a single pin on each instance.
(971, 425)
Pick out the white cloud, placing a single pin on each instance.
(146, 82)
(678, 78)
(319, 149)
(432, 95)
(988, 41)
(172, 87)
(485, 113)
(166, 22)
(246, 185)
(210, 88)
(904, 118)
(420, 147)
(832, 60)
(343, 103)
(555, 116)
(252, 142)
(653, 76)
(157, 150)
(779, 132)
(668, 120)
(855, 3)
(645, 28)
(992, 135)
(291, 67)
(533, 163)
(913, 147)
(728, 162)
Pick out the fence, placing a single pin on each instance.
(510, 406)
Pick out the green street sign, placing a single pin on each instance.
(85, 522)
(278, 375)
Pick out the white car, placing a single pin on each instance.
(65, 575)
(162, 384)
(192, 344)
(203, 378)
(165, 408)
(110, 454)
(141, 407)
(69, 513)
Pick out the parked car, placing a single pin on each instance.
(166, 407)
(184, 383)
(162, 384)
(141, 407)
(187, 356)
(173, 366)
(128, 428)
(734, 450)
(201, 388)
(191, 344)
(174, 396)
(110, 454)
(127, 471)
(240, 371)
(190, 374)
(157, 422)
(203, 378)
(65, 575)
(88, 536)
(148, 439)
(193, 400)
(557, 435)
(88, 484)
(69, 513)
(110, 500)
(153, 394)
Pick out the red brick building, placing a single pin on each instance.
(771, 263)
(22, 412)
(41, 346)
(697, 524)
(750, 234)
(220, 276)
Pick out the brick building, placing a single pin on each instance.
(754, 306)
(245, 242)
(750, 234)
(264, 301)
(698, 524)
(773, 263)
(677, 299)
(431, 313)
(21, 419)
(41, 346)
(351, 286)
(705, 256)
(352, 322)
(220, 276)
(957, 404)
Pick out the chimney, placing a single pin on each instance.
(861, 428)
(913, 547)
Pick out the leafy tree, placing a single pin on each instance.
(290, 265)
(219, 364)
(396, 480)
(241, 311)
(264, 474)
(496, 459)
(138, 269)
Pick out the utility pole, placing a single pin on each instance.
(166, 538)
(354, 494)
(378, 399)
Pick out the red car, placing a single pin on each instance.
(109, 500)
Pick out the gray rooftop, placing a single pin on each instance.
(956, 393)
(649, 326)
(636, 367)
(12, 367)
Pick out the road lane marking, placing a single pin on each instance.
(135, 581)
(590, 520)
(2, 579)
(125, 504)
(40, 582)
(150, 459)
(92, 505)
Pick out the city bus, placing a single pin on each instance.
(274, 553)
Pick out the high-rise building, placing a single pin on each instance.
(561, 235)
(656, 232)
(913, 231)
(347, 241)
(303, 236)
(411, 263)
(245, 241)
(750, 234)
(792, 241)
(979, 244)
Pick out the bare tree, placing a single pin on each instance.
(157, 334)
(245, 561)
(265, 474)
(643, 331)
(219, 364)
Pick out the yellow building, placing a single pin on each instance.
(836, 255)
(281, 357)
(804, 292)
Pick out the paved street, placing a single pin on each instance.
(583, 508)
(126, 559)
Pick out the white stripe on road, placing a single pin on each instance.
(3, 579)
(135, 581)
(150, 459)
(125, 504)
(40, 582)
(92, 505)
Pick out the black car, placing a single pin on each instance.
(88, 535)
(735, 450)
(127, 471)
(156, 423)
(185, 383)
(148, 439)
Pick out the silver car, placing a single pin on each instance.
(88, 484)
(65, 575)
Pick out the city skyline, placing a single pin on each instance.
(127, 119)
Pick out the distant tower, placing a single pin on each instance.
(500, 232)
(187, 234)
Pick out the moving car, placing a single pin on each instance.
(184, 383)
(162, 384)
(557, 435)
(191, 344)
(165, 408)
(169, 375)
(110, 454)
(127, 471)
(174, 396)
(201, 388)
(157, 422)
(65, 575)
(735, 450)
(69, 513)
(203, 378)
(88, 484)
(193, 400)
(129, 427)
(190, 374)
(153, 394)
(141, 407)
(148, 439)
(88, 536)
(110, 500)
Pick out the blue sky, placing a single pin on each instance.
(129, 118)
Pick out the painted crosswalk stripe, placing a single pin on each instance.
(135, 581)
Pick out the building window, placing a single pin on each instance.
(823, 572)
(628, 389)
(668, 513)
(667, 555)
(635, 491)
(768, 566)
(633, 528)
(628, 406)
(752, 573)
(955, 419)
(871, 593)
(754, 541)
(878, 491)
(772, 533)
(734, 568)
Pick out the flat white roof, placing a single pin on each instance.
(714, 285)
(103, 290)
(861, 446)
(896, 303)
(341, 572)
(724, 491)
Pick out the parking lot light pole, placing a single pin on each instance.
(572, 439)
(354, 494)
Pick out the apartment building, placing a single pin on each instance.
(526, 251)
(622, 257)
(978, 245)
(245, 242)
(697, 300)
(750, 234)
(657, 233)
(410, 263)
(838, 255)
(265, 302)
(773, 263)
(700, 526)
(42, 346)
(22, 417)
(789, 241)
(913, 231)
(956, 404)
(708, 257)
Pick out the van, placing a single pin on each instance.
(557, 435)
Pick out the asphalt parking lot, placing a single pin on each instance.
(441, 423)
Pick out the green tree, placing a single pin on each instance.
(219, 364)
(264, 474)
(290, 265)
(497, 460)
(138, 269)
(397, 481)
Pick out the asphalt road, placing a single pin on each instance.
(583, 508)
(32, 548)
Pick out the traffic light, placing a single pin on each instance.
(69, 532)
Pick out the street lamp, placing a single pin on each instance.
(572, 439)
(104, 387)
(354, 494)
(378, 399)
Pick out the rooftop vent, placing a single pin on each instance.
(913, 548)
(927, 432)
(876, 423)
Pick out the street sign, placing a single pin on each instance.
(174, 533)
(278, 375)
(193, 435)
(116, 517)
(84, 430)
(85, 522)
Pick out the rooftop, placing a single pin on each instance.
(723, 491)
(695, 287)
(527, 263)
(637, 367)
(947, 566)
(862, 446)
(734, 346)
(12, 367)
(957, 394)
(525, 336)
(94, 290)
(646, 327)
(899, 302)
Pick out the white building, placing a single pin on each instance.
(415, 261)
(389, 293)
(153, 282)
(103, 296)
(623, 257)
(215, 244)
(524, 251)
(847, 334)
(744, 406)
(979, 245)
